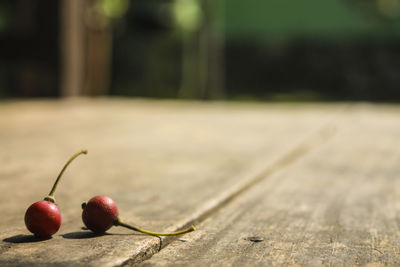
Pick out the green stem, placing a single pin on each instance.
(62, 171)
(119, 222)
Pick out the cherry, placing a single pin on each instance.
(43, 218)
(101, 213)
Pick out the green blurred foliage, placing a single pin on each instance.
(288, 19)
(188, 14)
(112, 9)
(4, 17)
(383, 10)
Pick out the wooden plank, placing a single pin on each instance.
(337, 206)
(166, 164)
(73, 46)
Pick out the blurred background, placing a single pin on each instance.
(275, 50)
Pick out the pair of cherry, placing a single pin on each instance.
(43, 218)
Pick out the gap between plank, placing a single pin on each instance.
(147, 250)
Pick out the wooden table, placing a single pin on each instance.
(265, 184)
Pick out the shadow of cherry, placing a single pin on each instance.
(82, 235)
(89, 234)
(17, 239)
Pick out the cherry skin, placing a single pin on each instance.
(43, 219)
(99, 214)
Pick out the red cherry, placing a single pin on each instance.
(100, 213)
(43, 218)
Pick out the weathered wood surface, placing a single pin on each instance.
(338, 205)
(166, 164)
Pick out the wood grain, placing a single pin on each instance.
(339, 205)
(166, 164)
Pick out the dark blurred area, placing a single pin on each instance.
(276, 50)
(29, 48)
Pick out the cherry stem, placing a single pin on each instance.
(50, 196)
(119, 222)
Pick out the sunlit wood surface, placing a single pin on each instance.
(314, 184)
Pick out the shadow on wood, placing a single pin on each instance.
(24, 239)
(81, 235)
(89, 234)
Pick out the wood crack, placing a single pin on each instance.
(320, 137)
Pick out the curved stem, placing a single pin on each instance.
(119, 222)
(62, 171)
